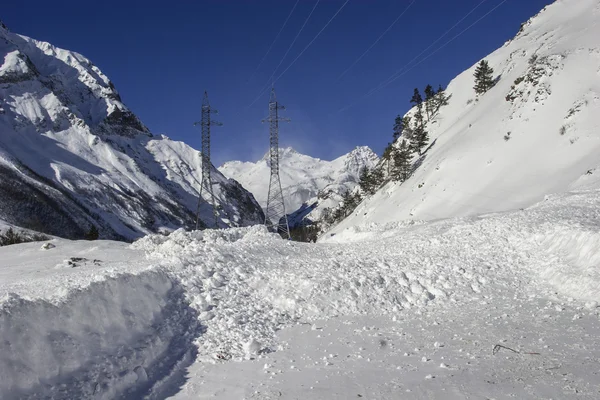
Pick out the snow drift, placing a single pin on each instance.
(108, 320)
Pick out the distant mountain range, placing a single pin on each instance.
(308, 183)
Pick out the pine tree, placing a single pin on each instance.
(407, 131)
(397, 161)
(404, 155)
(92, 234)
(417, 100)
(357, 199)
(349, 202)
(420, 136)
(440, 99)
(364, 179)
(484, 77)
(387, 156)
(377, 179)
(429, 99)
(397, 127)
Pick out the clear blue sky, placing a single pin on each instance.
(161, 56)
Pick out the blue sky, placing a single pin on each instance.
(161, 57)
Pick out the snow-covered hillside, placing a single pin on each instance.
(536, 132)
(415, 312)
(72, 155)
(303, 177)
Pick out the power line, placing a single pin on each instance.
(274, 40)
(445, 44)
(402, 71)
(269, 83)
(437, 40)
(376, 41)
(300, 55)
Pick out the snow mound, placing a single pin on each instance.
(115, 339)
(109, 320)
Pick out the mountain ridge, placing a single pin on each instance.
(72, 155)
(302, 177)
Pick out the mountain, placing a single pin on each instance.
(72, 155)
(306, 181)
(536, 132)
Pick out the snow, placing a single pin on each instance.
(548, 79)
(179, 314)
(303, 178)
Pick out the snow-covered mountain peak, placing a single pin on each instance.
(287, 151)
(302, 176)
(70, 79)
(80, 157)
(284, 152)
(359, 157)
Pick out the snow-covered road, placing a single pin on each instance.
(409, 311)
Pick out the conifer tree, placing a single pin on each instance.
(387, 156)
(420, 136)
(349, 202)
(440, 99)
(429, 99)
(397, 161)
(377, 179)
(364, 179)
(397, 127)
(403, 161)
(417, 100)
(407, 131)
(92, 234)
(484, 77)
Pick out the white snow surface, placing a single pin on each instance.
(170, 316)
(546, 100)
(303, 177)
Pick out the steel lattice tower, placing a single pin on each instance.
(207, 184)
(275, 216)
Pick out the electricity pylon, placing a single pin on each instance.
(275, 216)
(207, 184)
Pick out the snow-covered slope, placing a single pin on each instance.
(536, 132)
(72, 155)
(303, 177)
